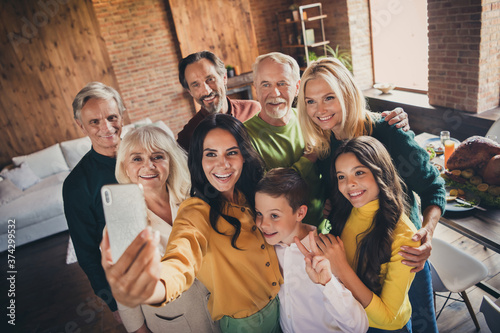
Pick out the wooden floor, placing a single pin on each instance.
(54, 297)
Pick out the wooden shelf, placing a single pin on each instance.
(319, 44)
(290, 31)
(310, 19)
(294, 46)
(312, 45)
(314, 18)
(289, 22)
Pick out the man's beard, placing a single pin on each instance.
(276, 113)
(214, 107)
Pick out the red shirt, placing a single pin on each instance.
(240, 109)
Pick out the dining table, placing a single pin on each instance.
(479, 224)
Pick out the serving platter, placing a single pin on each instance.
(454, 206)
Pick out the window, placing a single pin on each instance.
(400, 43)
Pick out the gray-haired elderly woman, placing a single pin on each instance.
(150, 157)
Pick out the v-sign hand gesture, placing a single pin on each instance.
(317, 266)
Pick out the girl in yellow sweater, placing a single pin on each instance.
(369, 226)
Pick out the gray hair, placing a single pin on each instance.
(96, 90)
(281, 59)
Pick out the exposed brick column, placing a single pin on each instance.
(142, 45)
(489, 62)
(463, 54)
(361, 50)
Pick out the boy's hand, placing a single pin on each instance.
(317, 266)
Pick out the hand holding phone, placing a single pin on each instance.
(125, 213)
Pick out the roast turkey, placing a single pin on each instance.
(476, 153)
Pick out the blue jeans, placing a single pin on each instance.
(405, 329)
(423, 316)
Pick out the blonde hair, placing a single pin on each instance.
(356, 119)
(280, 58)
(153, 139)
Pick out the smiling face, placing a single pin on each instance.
(102, 122)
(276, 90)
(151, 169)
(322, 106)
(206, 86)
(277, 220)
(356, 181)
(222, 161)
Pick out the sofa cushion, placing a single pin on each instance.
(33, 207)
(45, 162)
(50, 181)
(73, 150)
(8, 191)
(23, 177)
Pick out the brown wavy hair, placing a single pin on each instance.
(375, 246)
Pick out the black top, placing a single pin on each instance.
(85, 216)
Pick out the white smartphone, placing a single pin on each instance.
(125, 213)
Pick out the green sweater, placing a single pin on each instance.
(412, 163)
(283, 146)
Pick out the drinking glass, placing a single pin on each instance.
(449, 148)
(444, 135)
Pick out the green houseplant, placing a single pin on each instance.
(343, 56)
(230, 70)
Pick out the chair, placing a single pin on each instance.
(491, 312)
(455, 271)
(494, 129)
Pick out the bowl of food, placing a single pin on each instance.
(385, 88)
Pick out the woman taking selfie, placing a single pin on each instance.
(214, 239)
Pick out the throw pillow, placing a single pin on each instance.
(8, 191)
(23, 177)
(45, 162)
(73, 150)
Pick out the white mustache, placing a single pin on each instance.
(275, 100)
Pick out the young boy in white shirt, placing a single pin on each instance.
(312, 301)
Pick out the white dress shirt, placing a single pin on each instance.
(309, 307)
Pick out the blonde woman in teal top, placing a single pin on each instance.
(332, 108)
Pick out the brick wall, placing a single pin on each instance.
(143, 48)
(337, 24)
(264, 19)
(264, 22)
(464, 54)
(489, 56)
(361, 50)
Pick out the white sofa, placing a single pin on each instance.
(31, 192)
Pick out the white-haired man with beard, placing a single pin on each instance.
(276, 133)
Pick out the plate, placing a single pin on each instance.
(451, 206)
(436, 142)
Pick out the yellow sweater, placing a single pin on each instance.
(241, 282)
(392, 310)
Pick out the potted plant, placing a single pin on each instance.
(230, 70)
(295, 11)
(343, 56)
